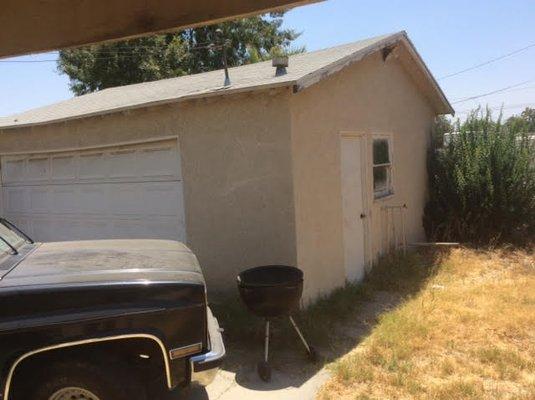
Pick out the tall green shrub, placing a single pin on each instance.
(482, 183)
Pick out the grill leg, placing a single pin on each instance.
(312, 354)
(263, 368)
(300, 335)
(266, 342)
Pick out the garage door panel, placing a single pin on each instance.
(93, 166)
(156, 228)
(123, 192)
(128, 198)
(13, 170)
(160, 161)
(129, 228)
(64, 229)
(38, 169)
(63, 168)
(39, 199)
(162, 229)
(48, 228)
(122, 164)
(154, 195)
(95, 229)
(41, 228)
(64, 200)
(94, 199)
(15, 200)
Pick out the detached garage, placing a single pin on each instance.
(308, 168)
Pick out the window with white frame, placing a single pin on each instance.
(382, 167)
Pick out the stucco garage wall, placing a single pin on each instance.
(368, 97)
(237, 173)
(235, 155)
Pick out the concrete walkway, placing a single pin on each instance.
(293, 376)
(282, 387)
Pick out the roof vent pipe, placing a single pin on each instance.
(281, 63)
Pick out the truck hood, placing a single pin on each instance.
(105, 261)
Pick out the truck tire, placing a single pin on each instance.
(84, 381)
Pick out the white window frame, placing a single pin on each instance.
(389, 191)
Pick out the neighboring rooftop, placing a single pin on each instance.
(304, 70)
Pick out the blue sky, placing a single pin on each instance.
(450, 36)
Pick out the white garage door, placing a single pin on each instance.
(132, 191)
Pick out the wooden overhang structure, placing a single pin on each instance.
(31, 26)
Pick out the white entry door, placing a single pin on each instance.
(353, 195)
(132, 191)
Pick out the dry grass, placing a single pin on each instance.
(467, 332)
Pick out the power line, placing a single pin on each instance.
(514, 89)
(462, 100)
(26, 61)
(522, 88)
(134, 49)
(110, 54)
(492, 60)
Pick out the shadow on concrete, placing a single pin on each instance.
(193, 393)
(196, 393)
(288, 358)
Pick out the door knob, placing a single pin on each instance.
(362, 216)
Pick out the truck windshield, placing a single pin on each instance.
(10, 239)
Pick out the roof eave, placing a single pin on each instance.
(331, 69)
(400, 37)
(115, 110)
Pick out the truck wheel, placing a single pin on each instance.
(81, 381)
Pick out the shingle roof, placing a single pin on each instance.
(304, 70)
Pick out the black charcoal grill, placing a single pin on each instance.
(273, 291)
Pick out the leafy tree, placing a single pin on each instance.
(442, 127)
(482, 183)
(525, 121)
(247, 40)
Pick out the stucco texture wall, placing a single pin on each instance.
(235, 159)
(370, 97)
(238, 186)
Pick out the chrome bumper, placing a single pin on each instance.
(204, 366)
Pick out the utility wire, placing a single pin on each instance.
(522, 88)
(197, 46)
(110, 53)
(492, 60)
(462, 100)
(26, 61)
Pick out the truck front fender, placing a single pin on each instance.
(65, 345)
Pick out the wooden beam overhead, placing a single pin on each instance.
(30, 26)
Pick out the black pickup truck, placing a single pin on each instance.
(102, 320)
